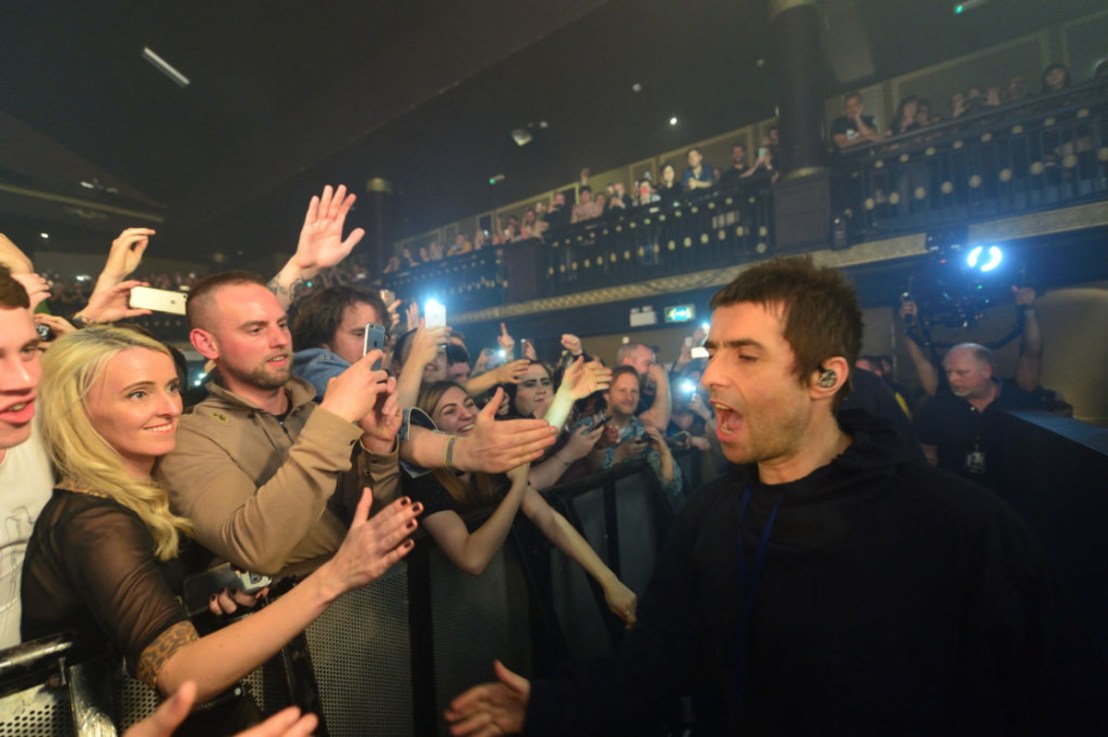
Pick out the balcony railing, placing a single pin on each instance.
(1046, 153)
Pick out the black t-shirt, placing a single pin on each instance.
(967, 438)
(847, 127)
(90, 566)
(731, 176)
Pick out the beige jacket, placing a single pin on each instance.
(269, 498)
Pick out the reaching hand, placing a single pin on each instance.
(507, 342)
(656, 440)
(59, 326)
(382, 423)
(113, 303)
(394, 316)
(512, 372)
(581, 442)
(572, 344)
(529, 350)
(37, 288)
(425, 344)
(491, 708)
(583, 379)
(908, 310)
(353, 394)
(124, 256)
(228, 601)
(495, 446)
(172, 712)
(1025, 296)
(321, 244)
(630, 449)
(372, 545)
(411, 316)
(622, 601)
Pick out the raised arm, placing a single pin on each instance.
(562, 535)
(579, 381)
(492, 447)
(506, 373)
(1030, 363)
(927, 372)
(472, 551)
(425, 347)
(321, 244)
(659, 413)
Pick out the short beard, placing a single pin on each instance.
(261, 377)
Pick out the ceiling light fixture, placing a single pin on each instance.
(44, 236)
(521, 136)
(673, 120)
(164, 67)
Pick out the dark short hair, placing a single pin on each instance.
(851, 95)
(200, 296)
(456, 354)
(319, 315)
(12, 293)
(819, 309)
(691, 149)
(584, 188)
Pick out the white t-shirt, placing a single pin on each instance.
(26, 482)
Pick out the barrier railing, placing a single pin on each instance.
(387, 659)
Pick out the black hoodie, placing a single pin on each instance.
(894, 599)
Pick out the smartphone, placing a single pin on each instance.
(158, 300)
(374, 340)
(199, 588)
(434, 314)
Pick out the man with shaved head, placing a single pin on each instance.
(656, 405)
(268, 476)
(958, 427)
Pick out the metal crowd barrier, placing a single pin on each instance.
(387, 659)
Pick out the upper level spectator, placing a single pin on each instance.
(853, 128)
(738, 168)
(558, 215)
(1056, 77)
(698, 174)
(586, 208)
(669, 190)
(461, 245)
(906, 117)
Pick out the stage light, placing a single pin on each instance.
(984, 259)
(673, 120)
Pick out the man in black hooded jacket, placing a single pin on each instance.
(832, 582)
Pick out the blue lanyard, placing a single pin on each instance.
(748, 588)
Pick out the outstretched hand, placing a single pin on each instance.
(372, 545)
(321, 243)
(172, 712)
(124, 256)
(489, 709)
(497, 446)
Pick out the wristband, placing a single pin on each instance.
(448, 455)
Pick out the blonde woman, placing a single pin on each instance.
(103, 558)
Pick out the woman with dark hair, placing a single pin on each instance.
(444, 494)
(669, 188)
(103, 558)
(904, 119)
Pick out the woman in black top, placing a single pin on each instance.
(103, 555)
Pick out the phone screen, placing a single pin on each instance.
(434, 313)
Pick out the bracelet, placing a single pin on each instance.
(448, 455)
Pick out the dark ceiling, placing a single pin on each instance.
(286, 96)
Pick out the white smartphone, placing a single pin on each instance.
(158, 300)
(434, 314)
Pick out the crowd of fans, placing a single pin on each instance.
(314, 452)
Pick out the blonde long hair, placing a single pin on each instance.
(71, 367)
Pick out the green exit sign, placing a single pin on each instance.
(680, 313)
